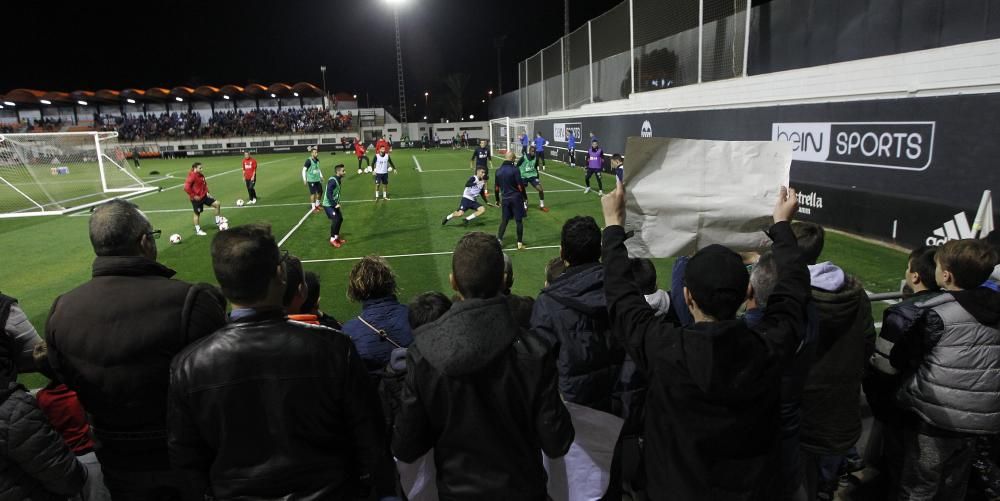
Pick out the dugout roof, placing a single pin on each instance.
(34, 98)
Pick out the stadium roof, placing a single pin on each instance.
(31, 97)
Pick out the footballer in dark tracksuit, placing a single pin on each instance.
(509, 194)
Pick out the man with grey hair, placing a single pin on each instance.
(112, 339)
(763, 279)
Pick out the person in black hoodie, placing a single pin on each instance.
(712, 415)
(571, 314)
(481, 391)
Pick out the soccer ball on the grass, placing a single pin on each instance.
(223, 225)
(175, 239)
(239, 202)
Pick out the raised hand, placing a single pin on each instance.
(787, 204)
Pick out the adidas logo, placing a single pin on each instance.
(956, 229)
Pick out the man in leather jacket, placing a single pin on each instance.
(265, 407)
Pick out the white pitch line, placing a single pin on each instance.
(563, 180)
(418, 163)
(445, 170)
(206, 177)
(163, 211)
(296, 227)
(261, 206)
(416, 255)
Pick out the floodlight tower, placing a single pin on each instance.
(395, 4)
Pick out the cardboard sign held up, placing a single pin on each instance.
(684, 194)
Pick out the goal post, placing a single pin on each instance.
(59, 172)
(505, 134)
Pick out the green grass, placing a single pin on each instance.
(44, 257)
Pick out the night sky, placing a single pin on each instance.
(117, 45)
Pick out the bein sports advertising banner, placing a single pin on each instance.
(907, 170)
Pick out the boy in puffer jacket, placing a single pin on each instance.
(953, 374)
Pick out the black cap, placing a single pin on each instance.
(717, 280)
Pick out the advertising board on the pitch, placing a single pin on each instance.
(560, 130)
(886, 145)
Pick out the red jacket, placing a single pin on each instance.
(249, 168)
(62, 407)
(359, 149)
(195, 185)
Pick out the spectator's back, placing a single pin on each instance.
(484, 399)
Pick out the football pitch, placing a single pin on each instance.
(47, 256)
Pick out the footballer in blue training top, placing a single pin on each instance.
(540, 144)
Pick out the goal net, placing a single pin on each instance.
(55, 173)
(505, 133)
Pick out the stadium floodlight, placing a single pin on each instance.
(225, 96)
(273, 96)
(130, 101)
(45, 101)
(8, 103)
(490, 93)
(425, 117)
(355, 96)
(1, 106)
(179, 100)
(395, 3)
(471, 117)
(296, 94)
(81, 102)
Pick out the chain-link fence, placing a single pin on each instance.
(658, 43)
(610, 54)
(666, 43)
(552, 66)
(576, 53)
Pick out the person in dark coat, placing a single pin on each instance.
(481, 391)
(266, 408)
(712, 408)
(383, 323)
(111, 341)
(35, 463)
(831, 409)
(571, 314)
(763, 278)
